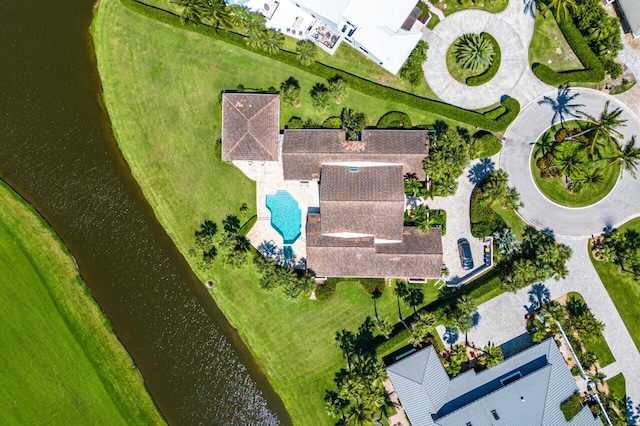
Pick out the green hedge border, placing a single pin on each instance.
(482, 120)
(593, 71)
(489, 73)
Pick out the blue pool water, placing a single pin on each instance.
(286, 217)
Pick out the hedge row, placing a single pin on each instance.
(489, 73)
(512, 106)
(593, 71)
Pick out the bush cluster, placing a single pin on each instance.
(485, 145)
(571, 407)
(325, 290)
(593, 71)
(484, 220)
(394, 120)
(411, 70)
(547, 167)
(373, 286)
(487, 121)
(489, 73)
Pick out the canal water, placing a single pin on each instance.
(57, 150)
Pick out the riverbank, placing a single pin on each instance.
(62, 363)
(161, 88)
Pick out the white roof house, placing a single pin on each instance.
(386, 31)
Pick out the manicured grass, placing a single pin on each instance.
(617, 386)
(161, 88)
(622, 288)
(554, 188)
(511, 218)
(599, 347)
(61, 363)
(548, 44)
(452, 6)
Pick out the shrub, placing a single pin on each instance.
(337, 89)
(320, 96)
(473, 51)
(489, 121)
(373, 286)
(394, 120)
(325, 290)
(306, 51)
(411, 70)
(290, 92)
(332, 123)
(489, 73)
(547, 167)
(561, 135)
(484, 220)
(295, 123)
(571, 407)
(352, 122)
(485, 146)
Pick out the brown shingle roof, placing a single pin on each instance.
(305, 150)
(250, 126)
(420, 255)
(364, 200)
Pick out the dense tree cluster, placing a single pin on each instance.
(228, 245)
(294, 283)
(539, 258)
(484, 219)
(602, 33)
(448, 156)
(412, 71)
(425, 219)
(620, 248)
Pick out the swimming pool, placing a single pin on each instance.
(286, 217)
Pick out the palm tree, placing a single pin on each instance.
(492, 356)
(628, 156)
(412, 186)
(360, 415)
(593, 177)
(191, 10)
(217, 14)
(306, 52)
(255, 30)
(597, 378)
(511, 199)
(545, 146)
(570, 163)
(272, 41)
(473, 51)
(506, 241)
(422, 327)
(562, 9)
(604, 128)
(384, 327)
(240, 15)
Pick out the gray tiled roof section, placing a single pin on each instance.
(631, 11)
(533, 399)
(411, 378)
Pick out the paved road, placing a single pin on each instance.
(622, 203)
(502, 318)
(512, 29)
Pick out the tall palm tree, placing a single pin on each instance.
(217, 14)
(491, 357)
(604, 128)
(240, 15)
(597, 378)
(360, 415)
(562, 9)
(506, 241)
(306, 52)
(255, 30)
(628, 156)
(272, 41)
(412, 186)
(593, 177)
(384, 327)
(191, 10)
(571, 163)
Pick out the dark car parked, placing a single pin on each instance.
(464, 249)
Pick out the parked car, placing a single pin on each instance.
(464, 250)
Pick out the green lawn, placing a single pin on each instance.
(622, 288)
(61, 363)
(554, 188)
(161, 88)
(617, 386)
(452, 6)
(599, 347)
(548, 44)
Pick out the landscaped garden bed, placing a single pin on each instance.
(452, 6)
(474, 59)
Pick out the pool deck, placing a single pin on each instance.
(269, 179)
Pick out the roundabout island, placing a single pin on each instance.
(616, 207)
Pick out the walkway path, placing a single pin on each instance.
(502, 318)
(513, 29)
(622, 203)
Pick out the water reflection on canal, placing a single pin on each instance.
(57, 151)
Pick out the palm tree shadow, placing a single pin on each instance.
(633, 412)
(539, 294)
(450, 336)
(562, 105)
(530, 7)
(481, 170)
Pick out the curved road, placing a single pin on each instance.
(621, 204)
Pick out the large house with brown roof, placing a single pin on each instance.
(357, 228)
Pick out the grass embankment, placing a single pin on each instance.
(617, 386)
(452, 6)
(61, 363)
(162, 86)
(548, 44)
(623, 289)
